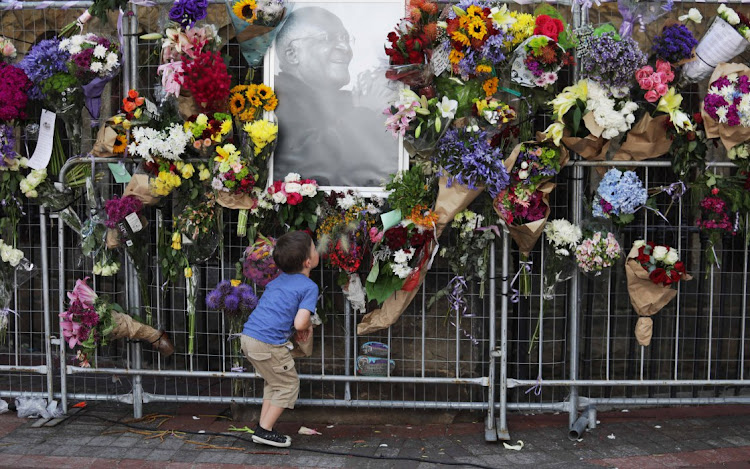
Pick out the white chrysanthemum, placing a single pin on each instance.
(402, 256)
(74, 49)
(346, 202)
(97, 67)
(77, 40)
(292, 177)
(100, 52)
(64, 44)
(401, 270)
(721, 113)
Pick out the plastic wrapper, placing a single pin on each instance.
(255, 39)
(720, 43)
(3, 406)
(36, 407)
(642, 12)
(557, 269)
(375, 349)
(374, 366)
(424, 146)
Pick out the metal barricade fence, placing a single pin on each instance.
(584, 354)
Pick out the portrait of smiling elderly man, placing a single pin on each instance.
(330, 103)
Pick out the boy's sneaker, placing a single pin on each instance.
(271, 438)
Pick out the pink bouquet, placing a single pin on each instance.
(655, 82)
(296, 201)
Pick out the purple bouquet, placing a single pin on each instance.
(727, 101)
(611, 61)
(258, 264)
(676, 43)
(44, 60)
(469, 159)
(119, 208)
(234, 298)
(14, 85)
(187, 12)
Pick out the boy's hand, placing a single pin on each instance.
(304, 336)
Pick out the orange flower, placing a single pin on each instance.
(423, 216)
(490, 86)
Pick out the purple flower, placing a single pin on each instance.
(676, 43)
(609, 61)
(43, 61)
(119, 208)
(214, 299)
(187, 12)
(231, 303)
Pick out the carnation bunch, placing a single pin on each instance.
(728, 100)
(91, 56)
(258, 265)
(714, 216)
(466, 157)
(660, 261)
(248, 101)
(563, 236)
(597, 252)
(737, 20)
(119, 208)
(149, 143)
(14, 89)
(187, 12)
(207, 79)
(675, 44)
(611, 61)
(7, 49)
(235, 298)
(655, 82)
(619, 196)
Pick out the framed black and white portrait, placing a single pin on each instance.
(327, 67)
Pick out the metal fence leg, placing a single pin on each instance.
(490, 432)
(502, 422)
(46, 305)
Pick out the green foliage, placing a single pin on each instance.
(410, 188)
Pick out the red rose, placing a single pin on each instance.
(276, 187)
(642, 257)
(393, 37)
(698, 118)
(679, 266)
(659, 276)
(548, 26)
(293, 198)
(395, 238)
(675, 276)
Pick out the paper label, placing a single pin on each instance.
(135, 222)
(122, 226)
(186, 240)
(43, 150)
(122, 176)
(390, 219)
(440, 61)
(152, 109)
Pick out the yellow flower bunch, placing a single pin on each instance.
(165, 183)
(176, 241)
(521, 30)
(227, 156)
(490, 86)
(247, 101)
(262, 133)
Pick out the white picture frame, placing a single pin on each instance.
(346, 156)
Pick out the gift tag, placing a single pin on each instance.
(440, 59)
(152, 109)
(135, 222)
(122, 176)
(390, 219)
(43, 150)
(186, 241)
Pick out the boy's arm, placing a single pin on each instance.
(302, 320)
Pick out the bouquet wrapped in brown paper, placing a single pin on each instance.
(139, 187)
(106, 143)
(451, 200)
(91, 321)
(731, 133)
(651, 271)
(646, 139)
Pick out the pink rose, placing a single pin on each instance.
(663, 66)
(646, 83)
(662, 89)
(652, 96)
(669, 76)
(657, 78)
(643, 72)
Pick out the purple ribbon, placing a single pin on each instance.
(493, 228)
(537, 388)
(516, 296)
(92, 93)
(238, 369)
(676, 190)
(14, 5)
(456, 295)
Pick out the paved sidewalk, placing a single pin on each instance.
(715, 436)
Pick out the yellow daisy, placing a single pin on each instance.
(245, 10)
(482, 68)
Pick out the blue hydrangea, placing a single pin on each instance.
(619, 194)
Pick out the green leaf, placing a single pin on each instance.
(577, 117)
(418, 132)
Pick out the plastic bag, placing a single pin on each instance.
(3, 406)
(34, 407)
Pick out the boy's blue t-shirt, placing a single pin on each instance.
(272, 321)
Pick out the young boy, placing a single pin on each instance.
(284, 309)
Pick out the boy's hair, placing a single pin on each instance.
(291, 251)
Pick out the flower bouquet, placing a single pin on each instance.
(715, 221)
(619, 196)
(598, 251)
(14, 88)
(188, 12)
(651, 270)
(563, 238)
(7, 50)
(169, 143)
(247, 102)
(260, 139)
(296, 200)
(641, 11)
(468, 163)
(726, 38)
(726, 107)
(99, 9)
(206, 79)
(234, 179)
(94, 61)
(676, 44)
(256, 23)
(611, 60)
(196, 223)
(538, 59)
(92, 321)
(258, 265)
(409, 46)
(421, 121)
(15, 270)
(237, 300)
(207, 131)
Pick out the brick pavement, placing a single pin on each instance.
(711, 437)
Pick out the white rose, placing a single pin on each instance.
(292, 177)
(25, 186)
(693, 15)
(5, 253)
(97, 270)
(659, 253)
(639, 243)
(308, 190)
(524, 165)
(672, 257)
(32, 194)
(279, 198)
(523, 174)
(733, 18)
(292, 187)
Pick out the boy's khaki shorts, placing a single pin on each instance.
(276, 365)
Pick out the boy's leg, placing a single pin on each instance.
(264, 410)
(272, 414)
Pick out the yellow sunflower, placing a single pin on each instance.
(254, 100)
(455, 56)
(121, 142)
(478, 29)
(474, 11)
(236, 104)
(264, 91)
(460, 37)
(248, 114)
(245, 10)
(271, 103)
(239, 89)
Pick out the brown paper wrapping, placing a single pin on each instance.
(528, 234)
(451, 200)
(113, 238)
(186, 105)
(140, 188)
(730, 136)
(236, 201)
(303, 349)
(647, 297)
(105, 142)
(591, 147)
(646, 139)
(127, 327)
